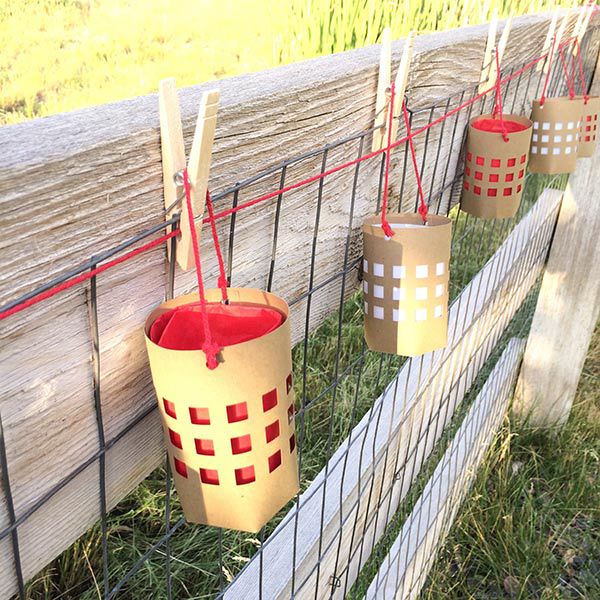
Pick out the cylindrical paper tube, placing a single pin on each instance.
(229, 432)
(405, 284)
(495, 168)
(589, 127)
(555, 135)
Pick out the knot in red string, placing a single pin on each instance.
(423, 212)
(211, 350)
(387, 229)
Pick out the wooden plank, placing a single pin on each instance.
(384, 451)
(568, 308)
(404, 569)
(74, 184)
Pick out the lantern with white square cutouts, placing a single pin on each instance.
(555, 139)
(495, 165)
(589, 127)
(405, 284)
(229, 431)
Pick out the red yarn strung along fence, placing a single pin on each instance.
(213, 217)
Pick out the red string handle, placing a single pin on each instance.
(222, 281)
(387, 230)
(422, 204)
(550, 59)
(210, 349)
(581, 76)
(569, 79)
(498, 100)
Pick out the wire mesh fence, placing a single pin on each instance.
(144, 548)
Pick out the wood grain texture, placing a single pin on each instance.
(373, 469)
(404, 569)
(568, 305)
(75, 184)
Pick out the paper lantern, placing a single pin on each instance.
(495, 168)
(589, 127)
(555, 136)
(405, 284)
(229, 431)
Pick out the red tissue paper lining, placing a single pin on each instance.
(181, 328)
(494, 125)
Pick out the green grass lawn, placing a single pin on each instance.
(58, 55)
(531, 527)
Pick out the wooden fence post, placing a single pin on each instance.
(568, 305)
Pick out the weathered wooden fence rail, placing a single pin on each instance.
(76, 184)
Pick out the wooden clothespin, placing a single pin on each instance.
(587, 13)
(488, 57)
(501, 50)
(560, 33)
(489, 75)
(543, 64)
(581, 12)
(383, 84)
(380, 136)
(174, 161)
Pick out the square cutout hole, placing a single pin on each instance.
(199, 416)
(241, 444)
(237, 412)
(272, 431)
(245, 475)
(205, 447)
(209, 476)
(269, 400)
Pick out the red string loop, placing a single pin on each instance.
(210, 349)
(581, 76)
(549, 67)
(569, 80)
(387, 230)
(222, 281)
(422, 210)
(498, 99)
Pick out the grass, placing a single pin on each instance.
(58, 55)
(531, 528)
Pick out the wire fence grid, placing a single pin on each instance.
(337, 379)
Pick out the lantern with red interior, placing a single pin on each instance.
(589, 126)
(229, 431)
(495, 165)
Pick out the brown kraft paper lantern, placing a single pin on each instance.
(405, 284)
(554, 142)
(589, 127)
(229, 431)
(495, 168)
